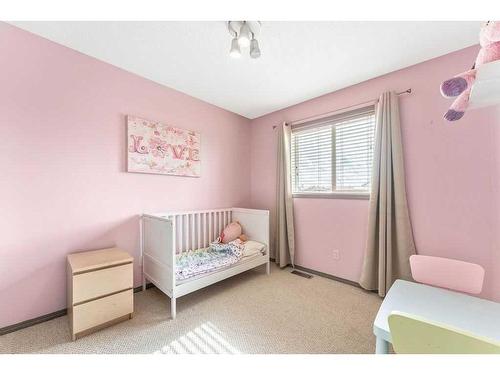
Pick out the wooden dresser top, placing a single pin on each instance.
(90, 260)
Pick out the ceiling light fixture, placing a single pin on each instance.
(254, 48)
(235, 51)
(244, 35)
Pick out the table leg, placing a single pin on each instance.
(382, 346)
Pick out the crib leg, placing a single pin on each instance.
(268, 268)
(173, 308)
(143, 283)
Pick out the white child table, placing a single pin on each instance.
(472, 314)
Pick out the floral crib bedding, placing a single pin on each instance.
(197, 262)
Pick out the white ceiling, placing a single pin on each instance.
(300, 60)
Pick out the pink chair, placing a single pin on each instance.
(447, 273)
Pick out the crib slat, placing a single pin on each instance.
(210, 227)
(179, 237)
(187, 237)
(199, 232)
(214, 226)
(183, 234)
(186, 233)
(181, 231)
(192, 232)
(205, 230)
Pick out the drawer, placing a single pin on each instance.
(99, 283)
(91, 314)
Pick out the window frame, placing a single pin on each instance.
(335, 194)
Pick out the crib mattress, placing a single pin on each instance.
(198, 276)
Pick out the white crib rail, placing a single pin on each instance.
(197, 229)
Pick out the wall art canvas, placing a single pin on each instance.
(158, 148)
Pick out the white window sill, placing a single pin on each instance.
(334, 195)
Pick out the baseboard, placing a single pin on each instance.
(47, 317)
(326, 275)
(32, 322)
(139, 288)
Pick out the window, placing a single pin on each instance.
(334, 155)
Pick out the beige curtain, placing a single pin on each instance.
(390, 239)
(284, 248)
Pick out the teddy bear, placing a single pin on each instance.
(460, 86)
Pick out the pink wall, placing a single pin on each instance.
(63, 185)
(452, 175)
(495, 258)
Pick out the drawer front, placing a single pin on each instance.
(102, 310)
(99, 283)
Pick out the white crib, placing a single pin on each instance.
(164, 235)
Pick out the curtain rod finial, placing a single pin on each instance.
(286, 124)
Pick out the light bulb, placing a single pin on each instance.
(254, 49)
(235, 48)
(244, 38)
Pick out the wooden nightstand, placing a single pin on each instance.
(100, 289)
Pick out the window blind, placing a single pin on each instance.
(334, 154)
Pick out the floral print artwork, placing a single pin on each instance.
(154, 147)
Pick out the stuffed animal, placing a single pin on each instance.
(232, 232)
(460, 85)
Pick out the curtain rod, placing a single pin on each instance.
(408, 91)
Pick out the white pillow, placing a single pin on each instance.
(253, 247)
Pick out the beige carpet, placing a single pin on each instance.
(249, 313)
